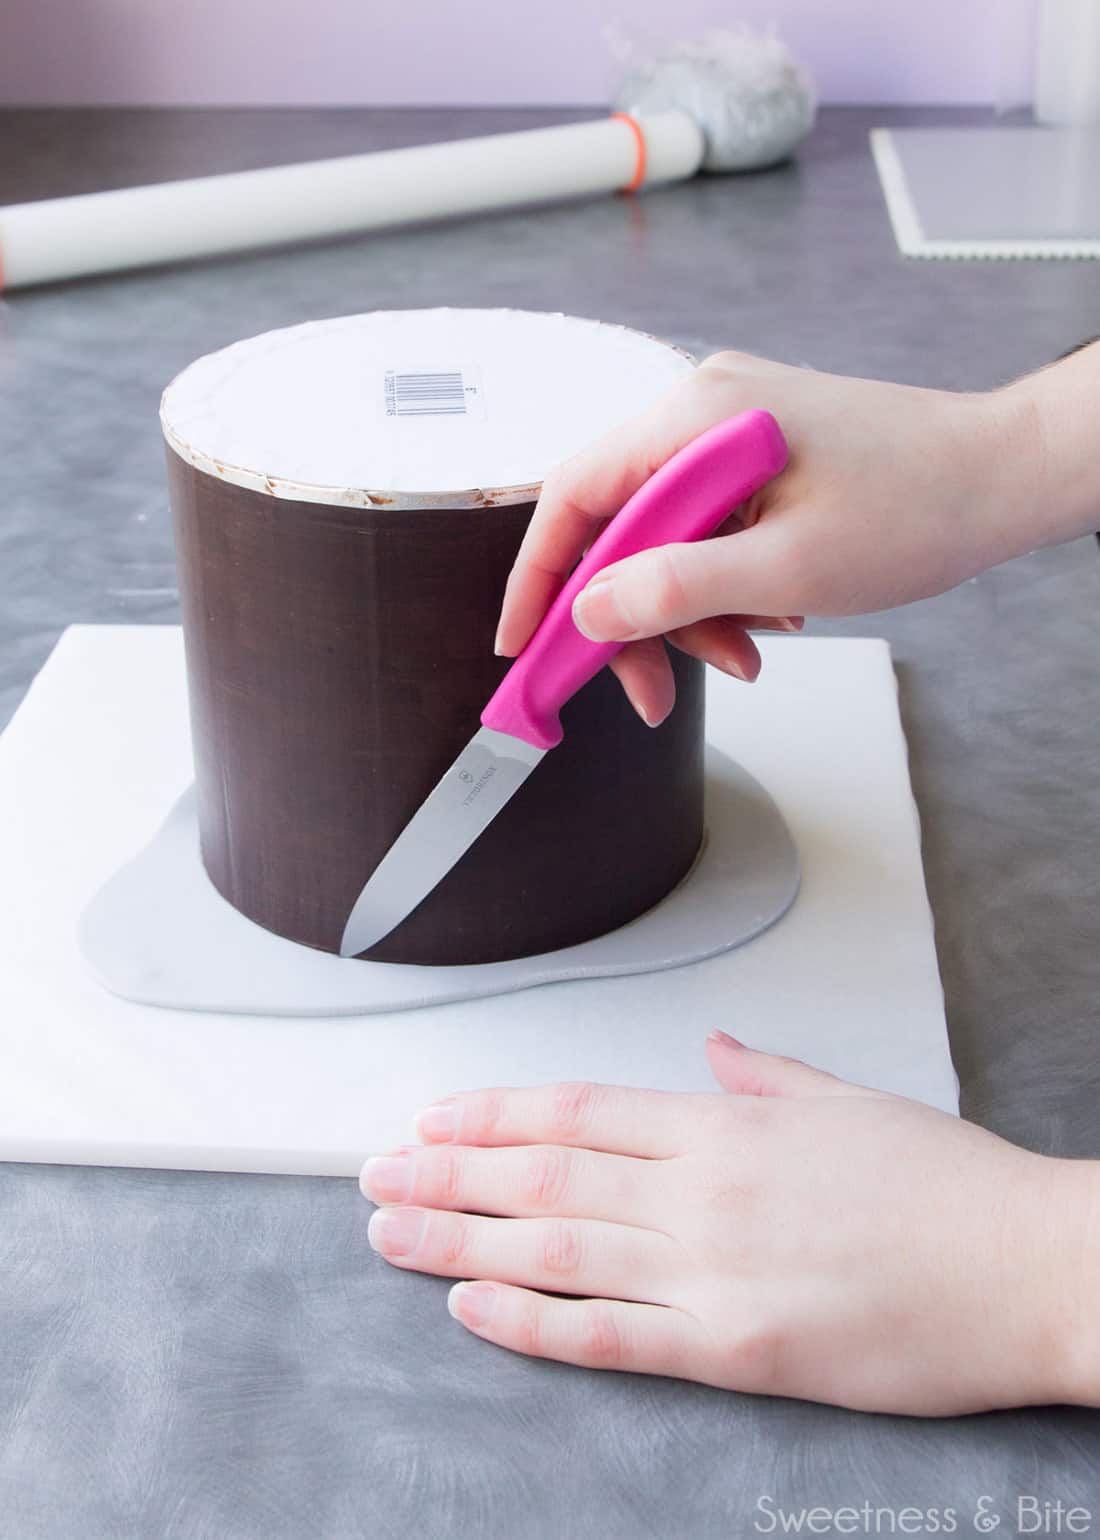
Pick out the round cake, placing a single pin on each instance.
(348, 498)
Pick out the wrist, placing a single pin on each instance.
(988, 447)
(1047, 427)
(1068, 1281)
(1015, 514)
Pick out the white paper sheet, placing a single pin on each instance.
(99, 751)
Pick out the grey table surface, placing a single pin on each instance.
(188, 1355)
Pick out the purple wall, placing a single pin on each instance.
(482, 51)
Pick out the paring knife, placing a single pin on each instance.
(691, 495)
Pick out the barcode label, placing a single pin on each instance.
(425, 395)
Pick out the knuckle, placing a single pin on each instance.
(667, 581)
(454, 1239)
(562, 484)
(601, 1340)
(556, 481)
(731, 376)
(561, 1250)
(721, 362)
(446, 1178)
(548, 1176)
(755, 1358)
(651, 590)
(736, 1196)
(483, 1117)
(573, 1106)
(754, 1114)
(529, 1329)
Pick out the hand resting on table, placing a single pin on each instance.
(797, 1236)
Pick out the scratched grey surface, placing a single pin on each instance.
(195, 1356)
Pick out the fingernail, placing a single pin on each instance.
(725, 1039)
(731, 666)
(396, 1232)
(650, 721)
(596, 613)
(438, 1124)
(791, 622)
(497, 648)
(387, 1178)
(472, 1303)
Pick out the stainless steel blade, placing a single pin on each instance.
(489, 771)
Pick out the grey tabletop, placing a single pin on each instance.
(187, 1355)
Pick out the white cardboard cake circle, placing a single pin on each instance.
(308, 413)
(159, 933)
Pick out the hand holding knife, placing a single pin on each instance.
(687, 499)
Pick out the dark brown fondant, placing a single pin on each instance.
(338, 659)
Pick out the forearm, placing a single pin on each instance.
(1052, 452)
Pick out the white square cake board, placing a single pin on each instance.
(99, 751)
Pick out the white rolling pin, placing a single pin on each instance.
(133, 227)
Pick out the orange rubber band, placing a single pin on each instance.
(640, 148)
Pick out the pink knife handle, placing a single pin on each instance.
(687, 499)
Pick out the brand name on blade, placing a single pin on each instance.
(478, 786)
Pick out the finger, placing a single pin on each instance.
(576, 498)
(519, 1182)
(619, 1120)
(569, 1256)
(592, 487)
(746, 1072)
(721, 642)
(660, 590)
(594, 1333)
(646, 675)
(788, 623)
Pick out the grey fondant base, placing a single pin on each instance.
(159, 933)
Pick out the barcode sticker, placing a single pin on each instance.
(441, 393)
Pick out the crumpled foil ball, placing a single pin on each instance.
(751, 98)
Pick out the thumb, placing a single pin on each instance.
(656, 591)
(746, 1072)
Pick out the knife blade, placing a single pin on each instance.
(688, 498)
